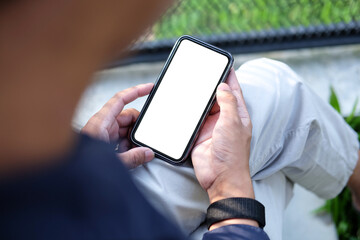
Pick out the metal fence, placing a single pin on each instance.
(244, 26)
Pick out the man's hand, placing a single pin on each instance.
(112, 124)
(221, 153)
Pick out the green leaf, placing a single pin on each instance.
(343, 227)
(355, 122)
(334, 100)
(352, 114)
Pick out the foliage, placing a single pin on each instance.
(206, 17)
(345, 217)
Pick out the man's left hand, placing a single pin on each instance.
(113, 124)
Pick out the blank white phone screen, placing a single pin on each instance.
(181, 98)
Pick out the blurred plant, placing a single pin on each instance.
(345, 217)
(208, 17)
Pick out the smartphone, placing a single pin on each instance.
(181, 99)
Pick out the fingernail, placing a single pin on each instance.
(223, 87)
(149, 155)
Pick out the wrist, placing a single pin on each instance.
(227, 187)
(234, 221)
(235, 211)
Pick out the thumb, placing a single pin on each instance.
(226, 100)
(136, 156)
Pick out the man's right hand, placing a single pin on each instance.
(221, 153)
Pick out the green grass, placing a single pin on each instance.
(206, 17)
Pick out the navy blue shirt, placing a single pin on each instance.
(89, 194)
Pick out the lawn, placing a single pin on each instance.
(206, 17)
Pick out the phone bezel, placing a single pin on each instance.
(205, 112)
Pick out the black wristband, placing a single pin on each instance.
(231, 208)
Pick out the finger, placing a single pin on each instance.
(116, 104)
(125, 120)
(236, 89)
(232, 81)
(227, 101)
(242, 109)
(136, 156)
(127, 117)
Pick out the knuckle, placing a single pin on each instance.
(231, 98)
(128, 159)
(133, 89)
(95, 121)
(119, 95)
(108, 105)
(134, 110)
(96, 116)
(125, 112)
(136, 158)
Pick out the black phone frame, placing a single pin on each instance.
(205, 113)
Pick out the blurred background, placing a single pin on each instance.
(319, 39)
(244, 26)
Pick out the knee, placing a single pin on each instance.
(270, 80)
(271, 72)
(273, 94)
